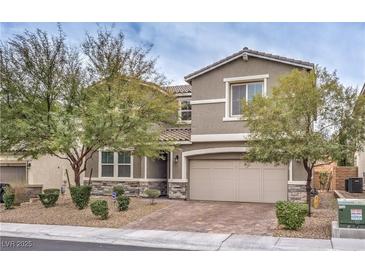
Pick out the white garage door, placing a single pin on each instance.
(232, 180)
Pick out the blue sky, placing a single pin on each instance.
(182, 48)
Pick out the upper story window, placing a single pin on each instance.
(244, 92)
(116, 164)
(185, 110)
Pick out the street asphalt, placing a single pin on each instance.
(32, 244)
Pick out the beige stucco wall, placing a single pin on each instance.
(208, 119)
(156, 168)
(50, 171)
(92, 163)
(299, 173)
(46, 170)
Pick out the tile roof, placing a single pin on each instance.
(251, 52)
(176, 134)
(180, 89)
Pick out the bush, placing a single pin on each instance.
(8, 197)
(123, 202)
(152, 194)
(49, 199)
(119, 190)
(100, 208)
(80, 196)
(291, 215)
(51, 190)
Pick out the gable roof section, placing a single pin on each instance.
(176, 135)
(254, 53)
(180, 90)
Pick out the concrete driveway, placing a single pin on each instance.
(215, 217)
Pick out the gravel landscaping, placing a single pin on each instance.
(217, 217)
(65, 213)
(318, 226)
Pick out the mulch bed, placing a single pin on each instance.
(65, 213)
(318, 226)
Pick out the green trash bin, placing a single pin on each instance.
(351, 213)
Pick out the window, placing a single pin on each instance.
(124, 164)
(107, 164)
(116, 164)
(243, 93)
(185, 111)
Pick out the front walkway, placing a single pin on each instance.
(174, 239)
(213, 217)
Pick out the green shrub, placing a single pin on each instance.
(9, 197)
(51, 190)
(80, 196)
(119, 190)
(100, 208)
(290, 214)
(123, 202)
(49, 199)
(152, 194)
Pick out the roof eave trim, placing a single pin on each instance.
(192, 76)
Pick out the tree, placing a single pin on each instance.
(71, 102)
(309, 117)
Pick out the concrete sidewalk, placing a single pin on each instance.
(174, 239)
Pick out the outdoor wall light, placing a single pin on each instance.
(176, 158)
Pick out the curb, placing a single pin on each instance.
(176, 239)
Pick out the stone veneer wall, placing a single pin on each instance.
(132, 188)
(297, 193)
(178, 190)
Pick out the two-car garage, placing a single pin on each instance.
(233, 180)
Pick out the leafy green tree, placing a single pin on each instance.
(310, 117)
(72, 101)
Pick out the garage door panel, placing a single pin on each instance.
(212, 183)
(233, 180)
(273, 187)
(222, 184)
(249, 184)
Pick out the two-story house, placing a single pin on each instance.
(207, 162)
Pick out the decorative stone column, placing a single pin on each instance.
(177, 189)
(297, 192)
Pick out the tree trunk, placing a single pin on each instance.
(308, 186)
(308, 189)
(76, 170)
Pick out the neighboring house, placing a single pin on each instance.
(360, 156)
(47, 171)
(207, 163)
